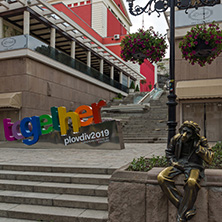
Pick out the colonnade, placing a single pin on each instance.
(26, 31)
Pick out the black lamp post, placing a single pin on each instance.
(161, 6)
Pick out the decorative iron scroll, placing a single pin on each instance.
(162, 5)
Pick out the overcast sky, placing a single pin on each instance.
(159, 23)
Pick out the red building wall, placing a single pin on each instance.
(147, 70)
(113, 25)
(118, 2)
(61, 7)
(84, 12)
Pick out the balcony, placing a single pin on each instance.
(29, 42)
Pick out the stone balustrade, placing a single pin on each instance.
(137, 197)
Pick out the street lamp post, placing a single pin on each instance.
(159, 6)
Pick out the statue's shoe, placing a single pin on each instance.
(179, 219)
(189, 214)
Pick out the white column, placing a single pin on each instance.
(73, 49)
(128, 81)
(1, 28)
(89, 58)
(101, 64)
(26, 23)
(112, 72)
(121, 77)
(52, 37)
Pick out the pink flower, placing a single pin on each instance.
(206, 42)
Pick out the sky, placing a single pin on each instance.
(159, 23)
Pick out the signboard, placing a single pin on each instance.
(105, 135)
(195, 17)
(82, 126)
(14, 42)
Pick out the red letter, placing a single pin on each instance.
(96, 110)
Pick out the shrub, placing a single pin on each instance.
(146, 164)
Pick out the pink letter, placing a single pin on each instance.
(8, 129)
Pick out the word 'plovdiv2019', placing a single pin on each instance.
(58, 120)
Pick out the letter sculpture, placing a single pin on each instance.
(186, 153)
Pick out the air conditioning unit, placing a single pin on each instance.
(116, 36)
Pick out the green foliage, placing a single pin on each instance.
(137, 88)
(119, 96)
(146, 164)
(132, 85)
(150, 86)
(143, 81)
(152, 45)
(217, 161)
(211, 36)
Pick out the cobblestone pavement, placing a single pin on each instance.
(79, 157)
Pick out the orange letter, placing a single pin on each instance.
(88, 112)
(96, 110)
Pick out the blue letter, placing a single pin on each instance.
(26, 132)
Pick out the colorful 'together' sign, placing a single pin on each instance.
(30, 128)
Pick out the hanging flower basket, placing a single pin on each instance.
(202, 44)
(143, 44)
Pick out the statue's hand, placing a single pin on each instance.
(198, 144)
(177, 165)
(174, 164)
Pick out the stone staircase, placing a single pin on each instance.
(31, 193)
(144, 126)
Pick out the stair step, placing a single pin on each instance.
(59, 188)
(55, 214)
(56, 168)
(4, 219)
(100, 179)
(57, 200)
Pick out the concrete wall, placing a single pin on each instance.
(43, 86)
(137, 197)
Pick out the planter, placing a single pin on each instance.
(141, 45)
(131, 90)
(202, 44)
(136, 196)
(203, 50)
(139, 56)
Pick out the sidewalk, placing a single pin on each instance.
(79, 157)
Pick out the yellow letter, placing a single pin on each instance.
(63, 120)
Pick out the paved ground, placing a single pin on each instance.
(78, 157)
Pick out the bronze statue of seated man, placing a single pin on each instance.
(186, 153)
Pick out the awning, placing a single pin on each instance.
(208, 88)
(12, 100)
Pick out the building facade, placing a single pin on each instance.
(199, 89)
(50, 57)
